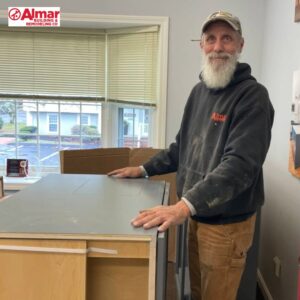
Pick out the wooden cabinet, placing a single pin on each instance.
(69, 237)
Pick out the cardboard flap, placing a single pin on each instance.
(93, 161)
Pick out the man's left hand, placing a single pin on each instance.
(162, 216)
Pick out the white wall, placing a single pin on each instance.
(186, 18)
(280, 232)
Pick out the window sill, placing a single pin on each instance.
(18, 183)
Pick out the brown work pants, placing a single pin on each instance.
(217, 256)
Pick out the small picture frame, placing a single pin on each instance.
(294, 144)
(297, 10)
(1, 187)
(16, 167)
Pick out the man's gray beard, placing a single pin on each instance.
(217, 76)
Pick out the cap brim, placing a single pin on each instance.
(205, 25)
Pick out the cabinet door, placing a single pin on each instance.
(42, 269)
(121, 271)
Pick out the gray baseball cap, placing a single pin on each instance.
(224, 16)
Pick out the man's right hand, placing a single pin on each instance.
(132, 172)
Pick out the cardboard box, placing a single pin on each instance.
(104, 160)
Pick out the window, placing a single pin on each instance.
(74, 88)
(37, 130)
(53, 122)
(85, 119)
(133, 125)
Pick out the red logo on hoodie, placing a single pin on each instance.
(218, 117)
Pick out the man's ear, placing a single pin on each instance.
(201, 43)
(242, 44)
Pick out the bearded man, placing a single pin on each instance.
(218, 156)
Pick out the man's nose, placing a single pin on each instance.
(218, 46)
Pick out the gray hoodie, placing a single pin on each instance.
(220, 149)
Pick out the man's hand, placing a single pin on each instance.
(162, 216)
(133, 172)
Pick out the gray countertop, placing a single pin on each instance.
(80, 204)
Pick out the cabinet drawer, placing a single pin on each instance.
(119, 249)
(42, 269)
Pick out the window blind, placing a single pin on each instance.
(52, 65)
(132, 67)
